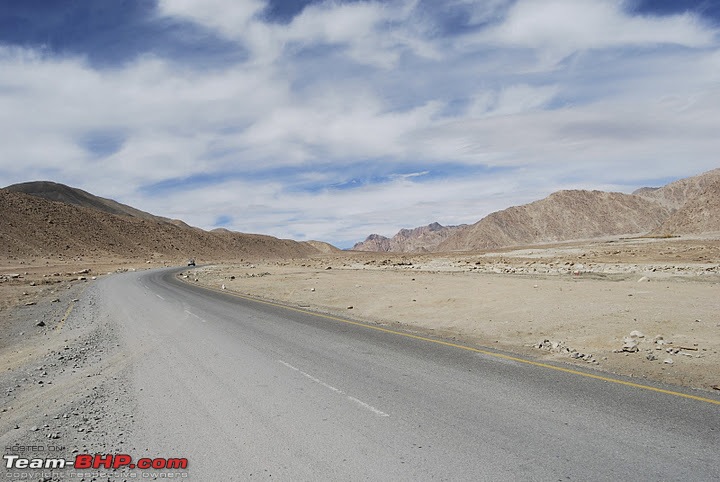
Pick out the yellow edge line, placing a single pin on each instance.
(476, 350)
(67, 313)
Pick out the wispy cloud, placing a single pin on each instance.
(345, 118)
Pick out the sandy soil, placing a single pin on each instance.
(648, 308)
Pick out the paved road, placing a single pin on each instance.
(251, 390)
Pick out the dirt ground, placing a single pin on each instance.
(647, 308)
(578, 303)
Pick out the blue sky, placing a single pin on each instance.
(334, 120)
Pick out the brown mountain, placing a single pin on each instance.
(676, 194)
(374, 242)
(686, 206)
(33, 225)
(71, 195)
(562, 216)
(424, 238)
(700, 214)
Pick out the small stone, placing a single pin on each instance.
(350, 307)
(29, 303)
(643, 279)
(630, 347)
(312, 289)
(637, 334)
(668, 361)
(40, 323)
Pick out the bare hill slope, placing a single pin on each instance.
(698, 215)
(35, 226)
(562, 216)
(54, 191)
(676, 194)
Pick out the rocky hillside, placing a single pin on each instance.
(35, 226)
(562, 216)
(422, 239)
(676, 194)
(700, 214)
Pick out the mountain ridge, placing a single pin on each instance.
(580, 214)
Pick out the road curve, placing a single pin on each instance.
(246, 389)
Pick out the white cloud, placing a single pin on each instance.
(229, 17)
(343, 86)
(512, 99)
(558, 28)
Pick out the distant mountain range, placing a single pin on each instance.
(687, 206)
(422, 239)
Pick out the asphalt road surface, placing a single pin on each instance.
(246, 390)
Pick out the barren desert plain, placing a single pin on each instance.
(646, 308)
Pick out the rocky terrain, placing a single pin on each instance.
(687, 206)
(65, 381)
(676, 194)
(700, 214)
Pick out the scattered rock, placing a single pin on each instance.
(630, 346)
(637, 334)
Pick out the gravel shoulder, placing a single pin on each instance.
(65, 381)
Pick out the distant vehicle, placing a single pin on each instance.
(191, 262)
